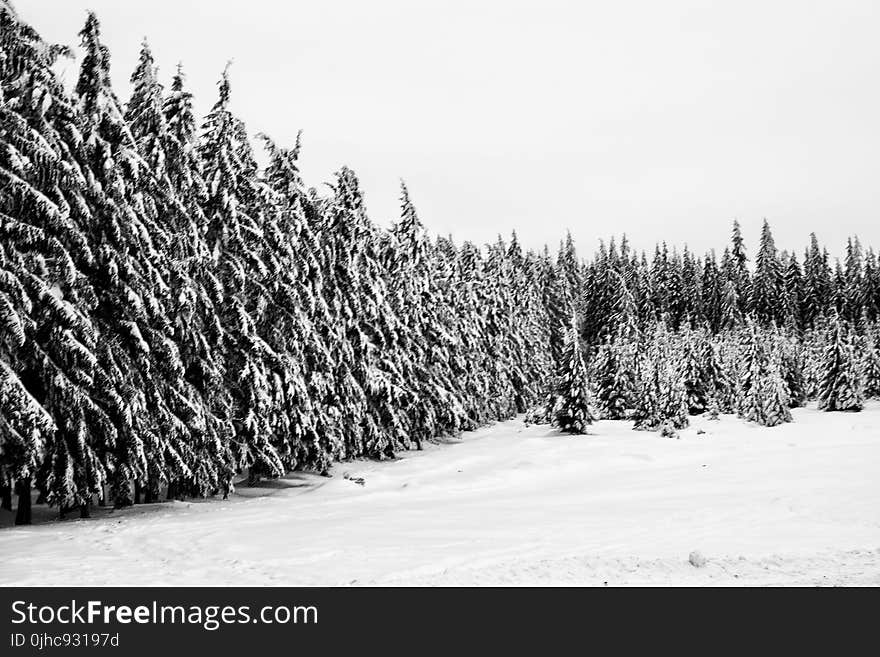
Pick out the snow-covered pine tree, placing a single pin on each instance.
(673, 399)
(840, 387)
(174, 190)
(464, 291)
(527, 327)
(716, 378)
(496, 331)
(817, 284)
(870, 293)
(793, 294)
(752, 371)
(287, 323)
(727, 350)
(234, 237)
(614, 380)
(738, 272)
(659, 278)
(712, 292)
(625, 321)
(453, 348)
(555, 300)
(26, 250)
(661, 398)
(144, 392)
(730, 316)
(791, 363)
(695, 377)
(838, 289)
(676, 312)
(572, 410)
(368, 385)
(853, 300)
(644, 293)
(426, 334)
(871, 367)
(196, 295)
(144, 112)
(647, 414)
(692, 303)
(774, 395)
(813, 350)
(767, 292)
(572, 273)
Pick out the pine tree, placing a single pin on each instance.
(662, 398)
(753, 367)
(614, 381)
(853, 300)
(791, 363)
(774, 395)
(572, 413)
(144, 112)
(695, 374)
(145, 389)
(871, 369)
(840, 388)
(647, 414)
(737, 270)
(793, 294)
(712, 291)
(730, 316)
(870, 293)
(234, 239)
(556, 307)
(429, 335)
(673, 399)
(299, 361)
(817, 284)
(767, 284)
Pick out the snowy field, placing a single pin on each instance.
(513, 505)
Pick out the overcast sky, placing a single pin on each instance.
(664, 120)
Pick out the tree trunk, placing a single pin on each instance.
(84, 511)
(6, 494)
(172, 490)
(151, 493)
(137, 492)
(23, 513)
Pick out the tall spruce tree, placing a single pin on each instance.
(49, 369)
(767, 292)
(234, 237)
(143, 391)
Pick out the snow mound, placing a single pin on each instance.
(696, 559)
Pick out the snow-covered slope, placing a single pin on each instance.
(795, 504)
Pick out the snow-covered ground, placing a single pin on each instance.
(510, 504)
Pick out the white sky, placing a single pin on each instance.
(664, 120)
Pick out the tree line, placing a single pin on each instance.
(174, 316)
